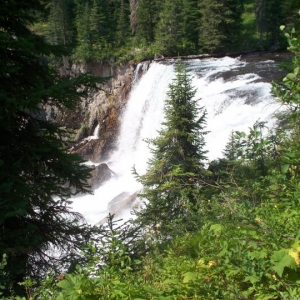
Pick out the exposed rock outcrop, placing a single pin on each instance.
(101, 110)
(102, 107)
(99, 175)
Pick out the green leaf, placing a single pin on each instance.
(281, 260)
(290, 76)
(217, 229)
(253, 279)
(189, 276)
(170, 281)
(231, 272)
(285, 168)
(258, 254)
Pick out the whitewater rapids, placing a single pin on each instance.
(233, 97)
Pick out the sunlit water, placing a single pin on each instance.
(233, 97)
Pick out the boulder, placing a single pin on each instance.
(122, 201)
(100, 174)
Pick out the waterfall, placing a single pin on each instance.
(141, 120)
(234, 96)
(234, 99)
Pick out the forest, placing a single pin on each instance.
(229, 230)
(123, 30)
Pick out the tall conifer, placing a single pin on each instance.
(147, 18)
(37, 174)
(220, 24)
(270, 14)
(60, 22)
(176, 171)
(169, 30)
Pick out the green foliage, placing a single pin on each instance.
(176, 171)
(61, 29)
(289, 90)
(147, 18)
(221, 24)
(269, 16)
(241, 256)
(177, 29)
(102, 29)
(37, 174)
(169, 29)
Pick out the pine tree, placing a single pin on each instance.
(60, 22)
(147, 18)
(37, 174)
(191, 26)
(84, 35)
(123, 24)
(176, 172)
(169, 30)
(98, 26)
(232, 149)
(220, 24)
(269, 16)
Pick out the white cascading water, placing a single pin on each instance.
(141, 120)
(232, 104)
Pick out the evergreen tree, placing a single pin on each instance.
(191, 26)
(220, 24)
(147, 18)
(233, 149)
(123, 24)
(269, 16)
(98, 25)
(176, 172)
(60, 22)
(84, 34)
(37, 174)
(291, 9)
(169, 31)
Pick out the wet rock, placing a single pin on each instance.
(100, 174)
(118, 204)
(103, 107)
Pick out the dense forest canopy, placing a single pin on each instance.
(125, 30)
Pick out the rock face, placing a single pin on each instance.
(102, 107)
(101, 110)
(100, 174)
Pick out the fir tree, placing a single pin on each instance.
(60, 22)
(232, 149)
(147, 18)
(191, 26)
(176, 172)
(269, 16)
(220, 24)
(84, 34)
(100, 29)
(123, 27)
(169, 30)
(37, 175)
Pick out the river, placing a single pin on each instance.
(236, 92)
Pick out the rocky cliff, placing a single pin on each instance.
(101, 110)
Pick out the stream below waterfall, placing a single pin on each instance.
(236, 92)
